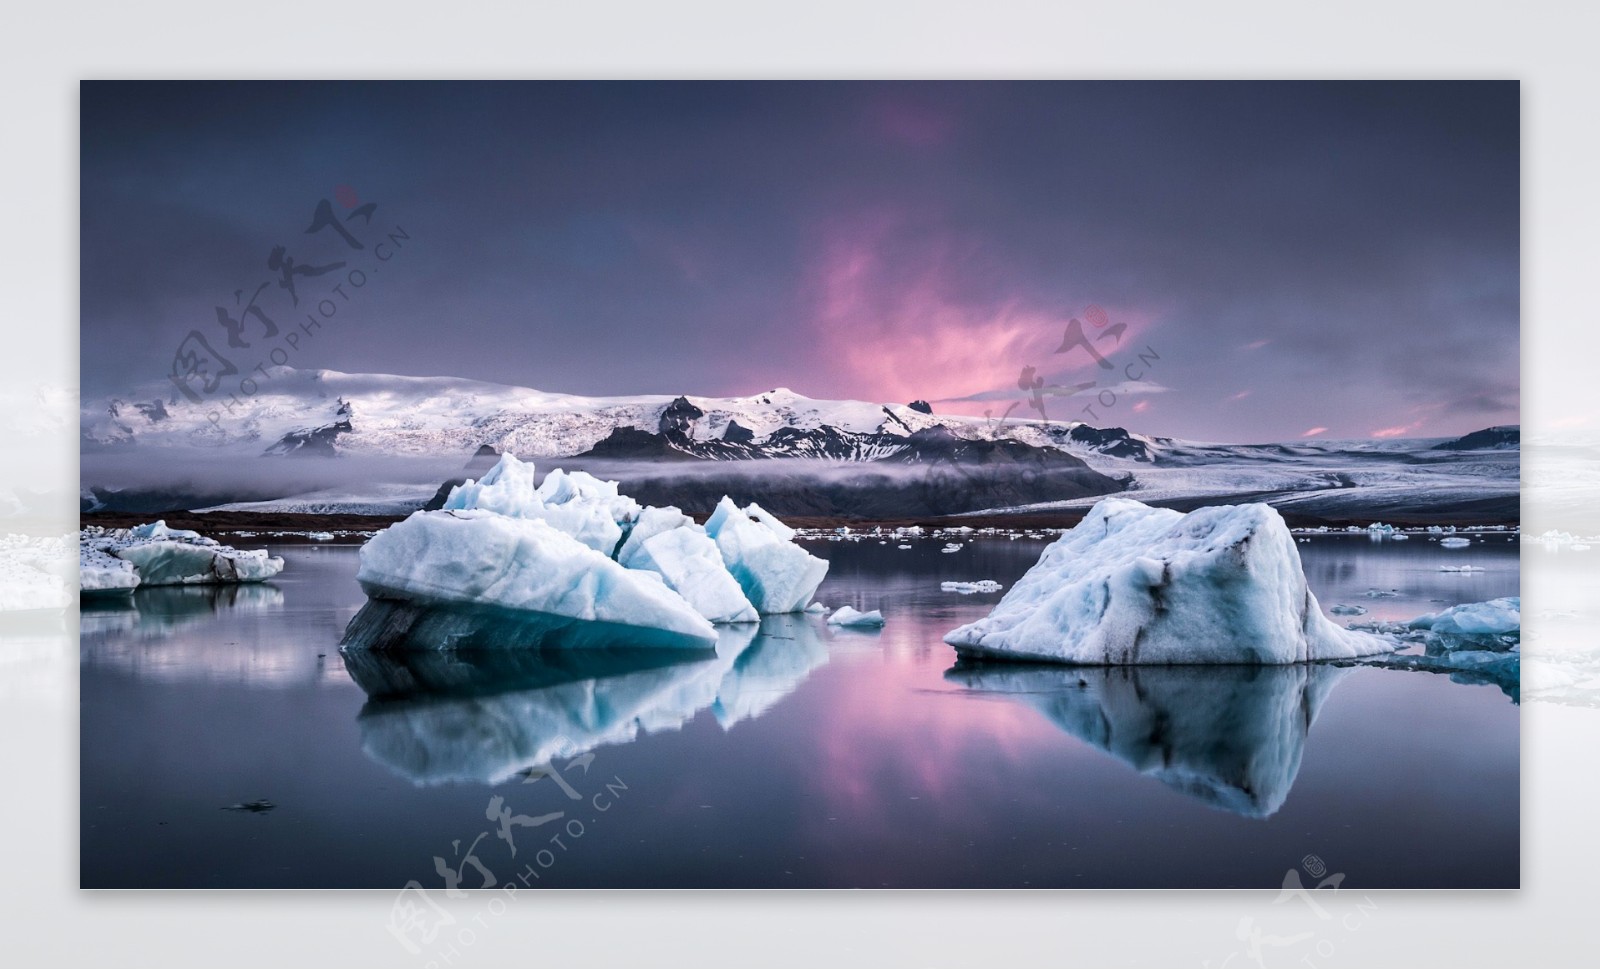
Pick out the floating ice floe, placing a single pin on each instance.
(1461, 569)
(981, 586)
(158, 556)
(903, 545)
(1343, 610)
(1131, 584)
(1455, 542)
(847, 616)
(572, 562)
(1477, 642)
(951, 547)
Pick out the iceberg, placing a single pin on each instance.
(1455, 542)
(848, 616)
(577, 503)
(777, 576)
(690, 563)
(478, 557)
(573, 562)
(1131, 584)
(159, 556)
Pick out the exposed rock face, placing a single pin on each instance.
(922, 406)
(1489, 439)
(316, 442)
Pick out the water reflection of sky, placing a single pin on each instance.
(800, 754)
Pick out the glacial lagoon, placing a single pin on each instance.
(227, 742)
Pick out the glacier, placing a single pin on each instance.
(1131, 584)
(113, 560)
(569, 551)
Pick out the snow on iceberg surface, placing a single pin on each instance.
(776, 575)
(689, 562)
(577, 503)
(160, 556)
(1131, 584)
(479, 557)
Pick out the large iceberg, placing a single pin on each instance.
(482, 558)
(1131, 584)
(776, 575)
(111, 560)
(571, 552)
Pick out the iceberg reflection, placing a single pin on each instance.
(483, 715)
(1229, 736)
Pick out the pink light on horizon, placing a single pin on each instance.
(889, 333)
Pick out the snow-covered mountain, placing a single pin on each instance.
(328, 413)
(794, 454)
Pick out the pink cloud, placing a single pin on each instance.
(892, 318)
(1312, 432)
(1397, 431)
(1141, 407)
(1256, 344)
(1240, 396)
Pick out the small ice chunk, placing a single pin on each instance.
(951, 547)
(846, 616)
(166, 557)
(981, 586)
(1461, 569)
(1455, 542)
(1343, 610)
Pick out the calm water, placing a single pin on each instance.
(799, 756)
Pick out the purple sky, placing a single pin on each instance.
(1292, 259)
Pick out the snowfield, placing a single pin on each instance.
(1132, 584)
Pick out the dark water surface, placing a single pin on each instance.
(798, 756)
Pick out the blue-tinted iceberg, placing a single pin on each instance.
(776, 575)
(1131, 584)
(158, 556)
(573, 550)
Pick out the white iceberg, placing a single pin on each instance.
(1455, 542)
(577, 503)
(161, 556)
(848, 616)
(1132, 584)
(689, 562)
(482, 558)
(777, 576)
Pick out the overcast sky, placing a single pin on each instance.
(1297, 259)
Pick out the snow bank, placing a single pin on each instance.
(776, 575)
(1132, 584)
(160, 556)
